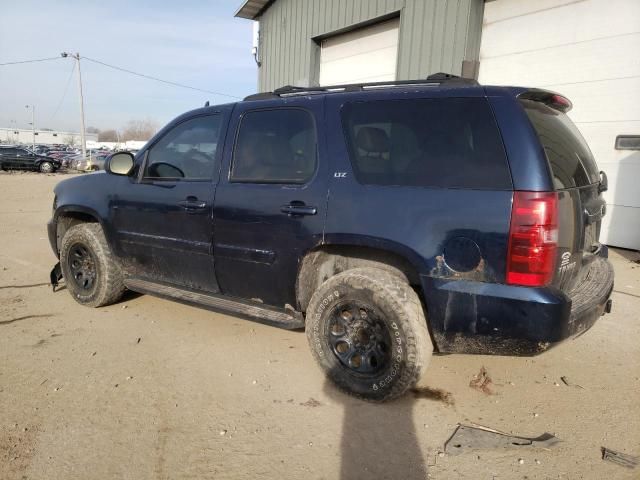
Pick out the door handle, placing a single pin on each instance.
(295, 208)
(192, 203)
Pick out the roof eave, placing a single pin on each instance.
(252, 9)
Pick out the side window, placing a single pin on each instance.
(186, 152)
(275, 146)
(443, 142)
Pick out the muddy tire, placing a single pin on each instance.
(46, 167)
(367, 330)
(91, 275)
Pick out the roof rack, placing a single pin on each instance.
(292, 90)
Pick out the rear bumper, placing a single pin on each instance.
(476, 317)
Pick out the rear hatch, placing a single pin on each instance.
(577, 182)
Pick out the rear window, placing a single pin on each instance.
(439, 142)
(569, 157)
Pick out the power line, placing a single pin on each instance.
(30, 61)
(66, 88)
(175, 84)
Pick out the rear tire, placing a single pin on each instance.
(367, 330)
(91, 275)
(46, 167)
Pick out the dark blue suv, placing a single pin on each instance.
(387, 220)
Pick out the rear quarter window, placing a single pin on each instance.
(571, 162)
(439, 142)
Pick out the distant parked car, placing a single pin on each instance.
(17, 158)
(98, 161)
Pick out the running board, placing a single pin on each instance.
(289, 320)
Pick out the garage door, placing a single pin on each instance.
(365, 55)
(588, 51)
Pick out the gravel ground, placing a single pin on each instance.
(149, 389)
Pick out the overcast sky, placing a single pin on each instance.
(195, 42)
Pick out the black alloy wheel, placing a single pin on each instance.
(358, 338)
(82, 265)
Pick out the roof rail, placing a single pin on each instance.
(292, 90)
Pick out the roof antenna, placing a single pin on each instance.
(206, 103)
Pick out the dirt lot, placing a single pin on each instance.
(153, 389)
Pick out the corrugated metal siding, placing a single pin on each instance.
(435, 35)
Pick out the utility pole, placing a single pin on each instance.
(82, 137)
(33, 126)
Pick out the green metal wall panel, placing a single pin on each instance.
(435, 35)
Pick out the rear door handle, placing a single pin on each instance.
(298, 209)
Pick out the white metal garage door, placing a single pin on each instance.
(587, 50)
(365, 55)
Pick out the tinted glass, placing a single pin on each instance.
(445, 142)
(572, 164)
(188, 151)
(275, 146)
(7, 151)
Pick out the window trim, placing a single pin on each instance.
(307, 181)
(164, 180)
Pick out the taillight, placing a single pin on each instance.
(533, 238)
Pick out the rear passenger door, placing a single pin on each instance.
(271, 199)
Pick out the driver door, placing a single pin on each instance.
(163, 218)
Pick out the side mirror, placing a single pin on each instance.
(120, 163)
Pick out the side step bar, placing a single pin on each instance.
(289, 320)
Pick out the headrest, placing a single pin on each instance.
(371, 139)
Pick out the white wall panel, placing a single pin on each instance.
(588, 50)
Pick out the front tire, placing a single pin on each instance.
(46, 167)
(367, 330)
(91, 275)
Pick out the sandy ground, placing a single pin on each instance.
(149, 389)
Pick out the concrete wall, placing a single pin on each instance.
(435, 36)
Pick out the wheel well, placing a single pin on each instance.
(67, 220)
(319, 265)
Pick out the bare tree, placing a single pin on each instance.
(108, 136)
(70, 140)
(93, 130)
(139, 130)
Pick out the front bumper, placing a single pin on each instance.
(476, 317)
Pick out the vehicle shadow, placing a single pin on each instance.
(378, 441)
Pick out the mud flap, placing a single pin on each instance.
(55, 276)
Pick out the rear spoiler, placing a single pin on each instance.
(551, 99)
